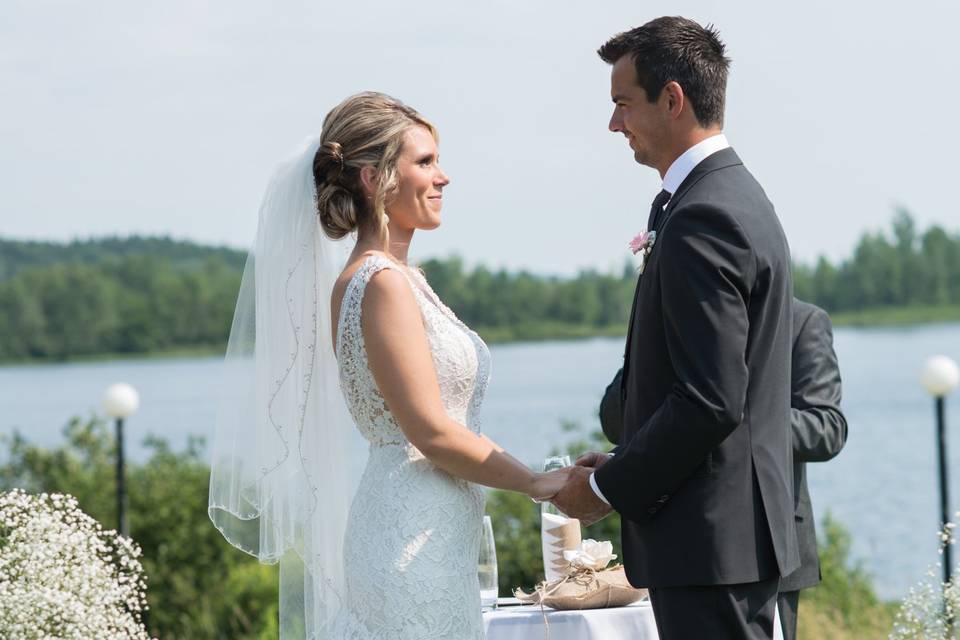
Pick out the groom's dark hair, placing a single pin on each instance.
(680, 50)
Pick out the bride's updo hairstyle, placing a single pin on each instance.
(365, 129)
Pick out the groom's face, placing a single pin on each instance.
(642, 122)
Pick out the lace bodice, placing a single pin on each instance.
(460, 357)
(413, 535)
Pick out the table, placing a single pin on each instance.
(633, 622)
(526, 623)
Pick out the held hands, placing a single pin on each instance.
(576, 498)
(546, 485)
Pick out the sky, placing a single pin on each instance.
(167, 117)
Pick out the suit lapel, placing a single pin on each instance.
(719, 160)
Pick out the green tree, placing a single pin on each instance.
(940, 262)
(23, 327)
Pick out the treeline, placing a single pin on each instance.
(907, 269)
(114, 296)
(139, 295)
(15, 256)
(521, 305)
(154, 294)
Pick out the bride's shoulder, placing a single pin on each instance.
(355, 264)
(381, 285)
(380, 273)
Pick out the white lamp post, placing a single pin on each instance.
(120, 401)
(940, 376)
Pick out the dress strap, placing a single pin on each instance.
(353, 296)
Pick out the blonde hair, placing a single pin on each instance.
(366, 129)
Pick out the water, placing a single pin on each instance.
(882, 487)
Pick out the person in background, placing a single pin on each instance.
(819, 431)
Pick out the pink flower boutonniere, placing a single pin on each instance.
(643, 244)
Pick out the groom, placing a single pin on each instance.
(702, 478)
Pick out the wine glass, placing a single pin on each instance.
(556, 462)
(487, 567)
(551, 464)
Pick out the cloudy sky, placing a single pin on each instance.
(167, 117)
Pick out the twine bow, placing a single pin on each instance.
(585, 577)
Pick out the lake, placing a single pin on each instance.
(882, 487)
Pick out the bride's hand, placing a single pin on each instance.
(547, 485)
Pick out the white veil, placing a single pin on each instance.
(281, 478)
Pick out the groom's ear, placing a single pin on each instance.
(672, 95)
(368, 179)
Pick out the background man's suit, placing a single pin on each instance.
(703, 477)
(819, 432)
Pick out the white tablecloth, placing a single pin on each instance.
(526, 623)
(634, 622)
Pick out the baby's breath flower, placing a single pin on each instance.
(930, 607)
(62, 576)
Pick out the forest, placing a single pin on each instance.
(144, 295)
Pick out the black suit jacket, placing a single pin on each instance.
(818, 426)
(703, 478)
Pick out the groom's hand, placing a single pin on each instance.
(593, 459)
(577, 499)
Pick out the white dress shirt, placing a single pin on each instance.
(672, 180)
(690, 158)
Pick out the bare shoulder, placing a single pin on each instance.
(390, 311)
(351, 268)
(346, 276)
(389, 290)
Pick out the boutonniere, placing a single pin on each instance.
(643, 244)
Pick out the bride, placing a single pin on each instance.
(390, 552)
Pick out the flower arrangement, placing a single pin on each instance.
(588, 583)
(63, 576)
(929, 610)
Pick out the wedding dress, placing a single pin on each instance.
(386, 552)
(413, 531)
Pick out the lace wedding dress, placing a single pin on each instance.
(413, 533)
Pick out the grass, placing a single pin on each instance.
(550, 330)
(896, 316)
(539, 331)
(190, 351)
(816, 621)
(844, 605)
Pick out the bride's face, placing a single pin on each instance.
(418, 200)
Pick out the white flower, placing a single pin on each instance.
(929, 609)
(591, 555)
(62, 575)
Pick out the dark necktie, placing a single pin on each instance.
(657, 208)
